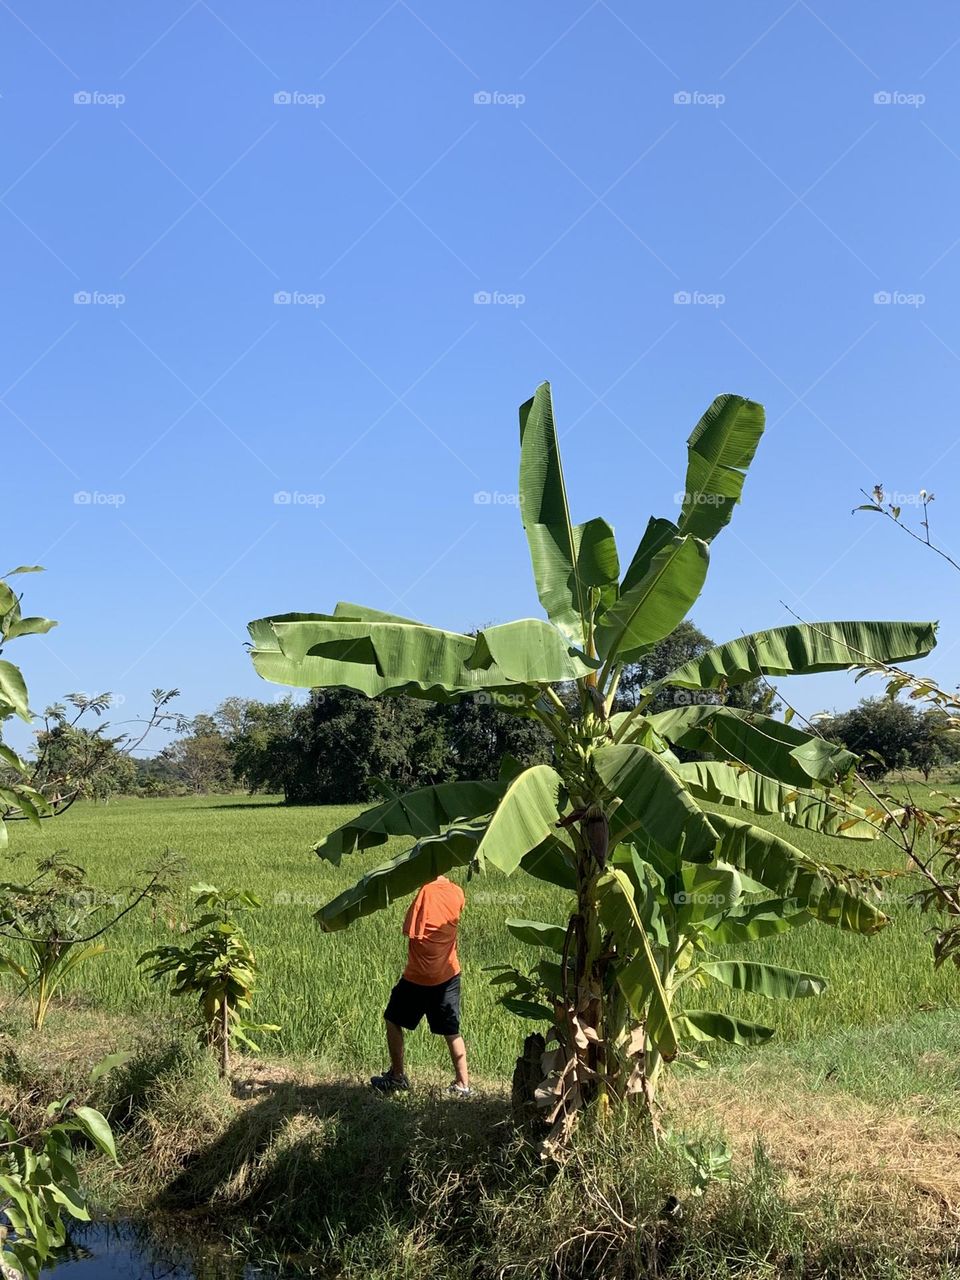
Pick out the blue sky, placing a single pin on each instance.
(381, 164)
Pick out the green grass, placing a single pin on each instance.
(843, 1127)
(327, 992)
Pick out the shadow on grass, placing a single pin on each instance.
(251, 804)
(330, 1179)
(327, 1161)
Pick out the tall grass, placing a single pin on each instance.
(327, 991)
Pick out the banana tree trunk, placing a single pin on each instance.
(585, 1011)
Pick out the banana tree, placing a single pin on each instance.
(660, 861)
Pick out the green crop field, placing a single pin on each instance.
(328, 991)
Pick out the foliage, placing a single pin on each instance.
(201, 760)
(927, 834)
(878, 502)
(19, 797)
(890, 735)
(75, 758)
(478, 736)
(55, 918)
(218, 967)
(261, 739)
(74, 761)
(344, 741)
(656, 882)
(38, 1180)
(330, 750)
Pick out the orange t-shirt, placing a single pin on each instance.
(431, 926)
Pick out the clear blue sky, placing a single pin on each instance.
(383, 187)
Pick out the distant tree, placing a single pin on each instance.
(232, 715)
(328, 750)
(157, 776)
(262, 740)
(888, 734)
(201, 760)
(930, 747)
(84, 761)
(479, 735)
(343, 741)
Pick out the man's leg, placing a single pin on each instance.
(395, 1046)
(458, 1056)
(398, 1013)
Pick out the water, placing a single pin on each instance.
(128, 1251)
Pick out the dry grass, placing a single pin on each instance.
(877, 1163)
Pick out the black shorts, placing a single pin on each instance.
(409, 1001)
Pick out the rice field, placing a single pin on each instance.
(327, 991)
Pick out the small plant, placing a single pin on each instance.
(708, 1161)
(218, 967)
(56, 918)
(38, 1180)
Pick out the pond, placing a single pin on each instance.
(129, 1251)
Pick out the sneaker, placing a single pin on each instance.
(459, 1090)
(389, 1083)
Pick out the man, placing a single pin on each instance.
(430, 984)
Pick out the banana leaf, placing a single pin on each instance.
(803, 649)
(423, 812)
(427, 859)
(769, 746)
(828, 892)
(372, 657)
(525, 817)
(653, 799)
(720, 783)
(658, 603)
(719, 452)
(706, 1024)
(769, 980)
